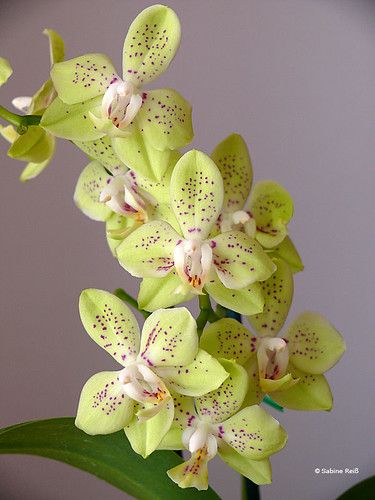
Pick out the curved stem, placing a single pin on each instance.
(121, 294)
(206, 313)
(19, 121)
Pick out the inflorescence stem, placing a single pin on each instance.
(21, 122)
(121, 294)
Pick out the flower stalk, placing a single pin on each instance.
(21, 122)
(121, 294)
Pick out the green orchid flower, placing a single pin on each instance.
(137, 397)
(124, 200)
(6, 70)
(290, 367)
(270, 207)
(214, 424)
(189, 262)
(36, 146)
(93, 101)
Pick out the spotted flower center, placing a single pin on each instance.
(200, 439)
(273, 357)
(140, 383)
(238, 221)
(121, 196)
(121, 102)
(193, 260)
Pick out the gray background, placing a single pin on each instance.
(296, 79)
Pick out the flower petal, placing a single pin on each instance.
(148, 251)
(239, 260)
(281, 384)
(34, 146)
(160, 293)
(229, 339)
(311, 393)
(56, 46)
(169, 338)
(184, 416)
(91, 183)
(247, 300)
(101, 149)
(314, 344)
(196, 194)
(288, 252)
(40, 100)
(253, 433)
(9, 133)
(193, 473)
(71, 122)
(145, 436)
(150, 45)
(165, 119)
(254, 393)
(233, 160)
(220, 404)
(5, 71)
(83, 77)
(272, 207)
(110, 323)
(258, 471)
(32, 170)
(118, 228)
(136, 152)
(278, 295)
(202, 375)
(103, 407)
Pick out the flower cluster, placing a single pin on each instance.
(191, 226)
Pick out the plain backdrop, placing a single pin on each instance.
(296, 79)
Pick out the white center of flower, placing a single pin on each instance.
(140, 383)
(200, 436)
(273, 357)
(193, 260)
(239, 220)
(121, 196)
(121, 102)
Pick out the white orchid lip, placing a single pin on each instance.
(200, 438)
(193, 261)
(273, 357)
(140, 383)
(121, 102)
(121, 196)
(238, 220)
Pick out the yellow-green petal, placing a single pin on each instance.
(314, 344)
(258, 471)
(247, 300)
(118, 228)
(150, 45)
(56, 46)
(82, 78)
(229, 339)
(272, 207)
(202, 375)
(239, 260)
(254, 393)
(9, 133)
(281, 384)
(278, 294)
(169, 338)
(110, 323)
(148, 251)
(288, 252)
(102, 150)
(233, 160)
(193, 473)
(91, 183)
(223, 402)
(103, 407)
(160, 293)
(34, 146)
(165, 119)
(5, 70)
(196, 194)
(32, 170)
(72, 122)
(253, 433)
(145, 436)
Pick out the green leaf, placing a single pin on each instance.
(107, 457)
(360, 491)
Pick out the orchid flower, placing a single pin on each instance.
(124, 200)
(36, 146)
(290, 367)
(94, 101)
(6, 70)
(270, 207)
(137, 397)
(187, 263)
(214, 424)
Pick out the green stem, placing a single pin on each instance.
(206, 313)
(250, 490)
(121, 294)
(270, 402)
(22, 122)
